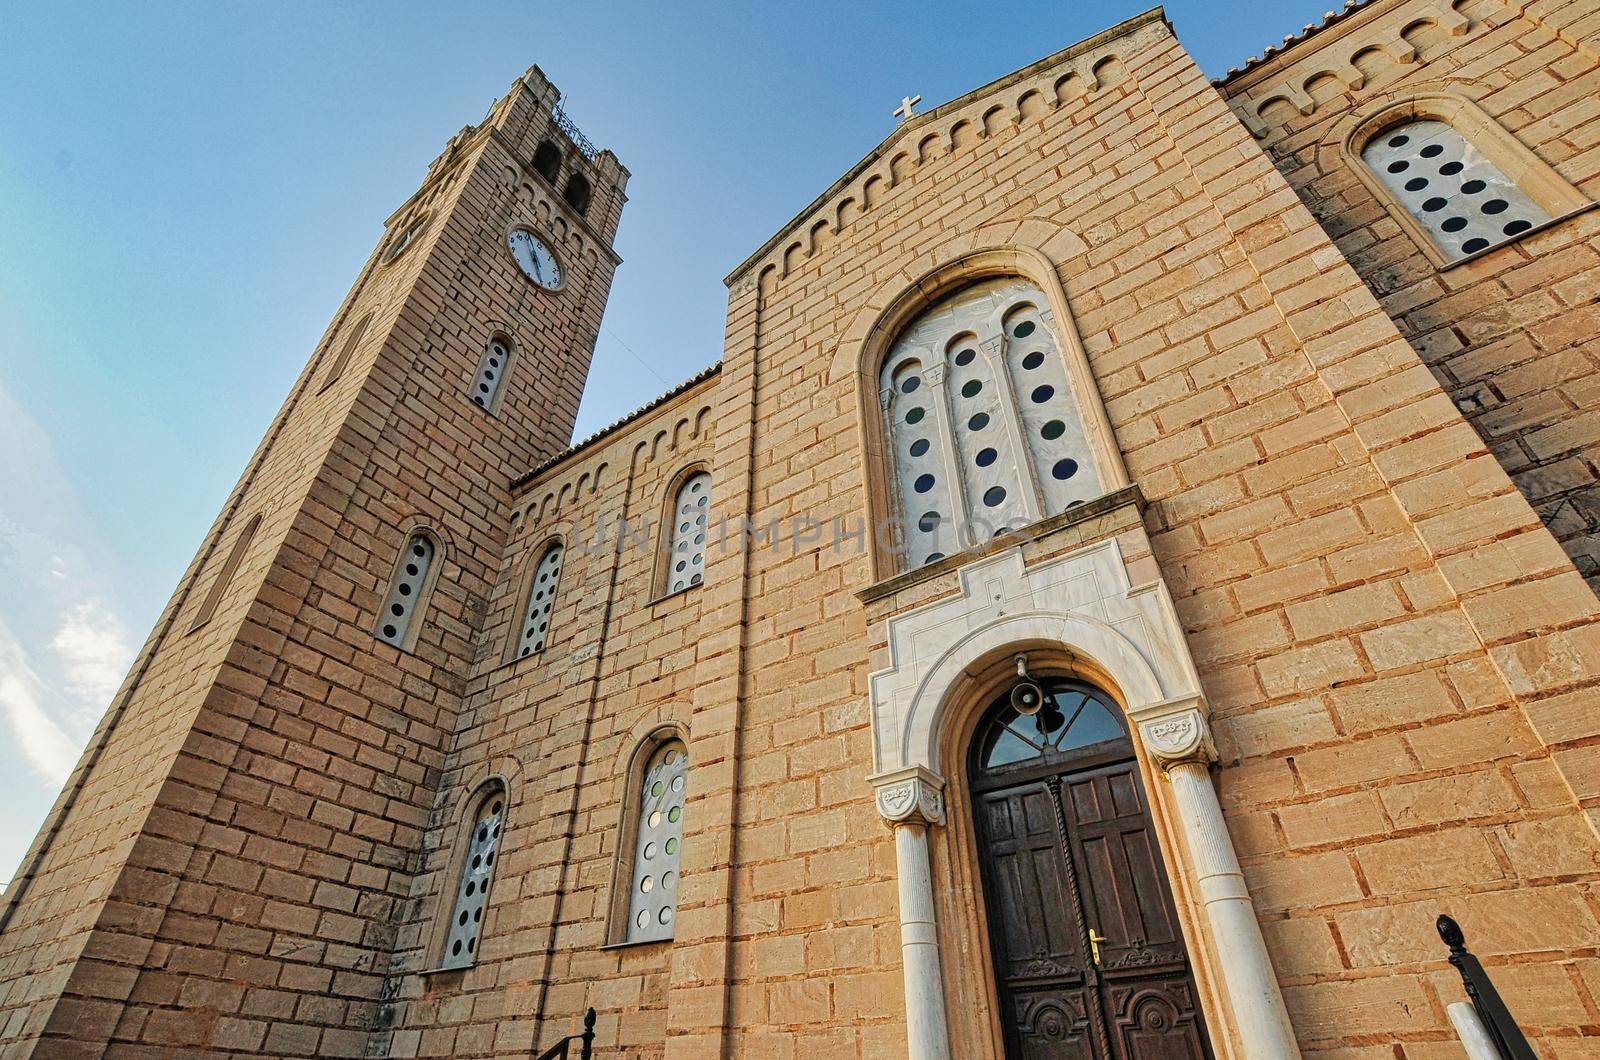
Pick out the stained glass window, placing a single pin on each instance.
(541, 599)
(1461, 199)
(981, 422)
(653, 899)
(477, 870)
(404, 601)
(687, 558)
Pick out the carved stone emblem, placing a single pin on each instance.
(911, 797)
(1178, 737)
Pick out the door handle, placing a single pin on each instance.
(1095, 939)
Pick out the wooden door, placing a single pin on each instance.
(1088, 954)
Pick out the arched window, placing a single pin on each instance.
(230, 567)
(493, 367)
(541, 595)
(686, 533)
(657, 825)
(983, 428)
(487, 822)
(337, 368)
(547, 161)
(1461, 199)
(577, 193)
(400, 619)
(407, 236)
(1077, 721)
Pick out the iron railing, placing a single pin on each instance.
(1504, 1034)
(585, 1040)
(565, 123)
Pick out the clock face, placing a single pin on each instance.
(537, 261)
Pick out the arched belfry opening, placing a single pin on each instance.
(547, 161)
(577, 193)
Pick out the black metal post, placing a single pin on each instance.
(1508, 1038)
(588, 1036)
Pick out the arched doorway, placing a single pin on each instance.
(1088, 954)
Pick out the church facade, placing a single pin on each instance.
(1132, 568)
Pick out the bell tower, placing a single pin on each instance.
(222, 872)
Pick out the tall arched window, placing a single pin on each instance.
(400, 619)
(656, 821)
(540, 599)
(230, 567)
(336, 369)
(983, 427)
(1461, 199)
(493, 367)
(487, 822)
(686, 533)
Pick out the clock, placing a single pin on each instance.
(537, 261)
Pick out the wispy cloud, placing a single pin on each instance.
(47, 746)
(63, 650)
(93, 652)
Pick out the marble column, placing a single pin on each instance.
(911, 801)
(1179, 741)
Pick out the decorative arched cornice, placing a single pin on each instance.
(1081, 608)
(668, 721)
(1076, 635)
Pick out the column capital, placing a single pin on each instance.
(913, 795)
(1176, 732)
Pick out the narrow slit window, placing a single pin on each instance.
(336, 369)
(541, 600)
(230, 567)
(653, 897)
(686, 562)
(477, 872)
(1461, 199)
(405, 599)
(492, 369)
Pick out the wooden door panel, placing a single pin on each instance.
(1037, 934)
(1156, 1019)
(1055, 1024)
(1120, 874)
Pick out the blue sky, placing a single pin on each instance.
(188, 190)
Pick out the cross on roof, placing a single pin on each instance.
(904, 111)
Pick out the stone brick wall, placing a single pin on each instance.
(1395, 648)
(559, 727)
(222, 874)
(1510, 335)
